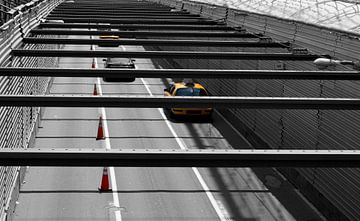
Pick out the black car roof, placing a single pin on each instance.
(119, 60)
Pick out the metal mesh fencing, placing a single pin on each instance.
(335, 192)
(17, 124)
(342, 15)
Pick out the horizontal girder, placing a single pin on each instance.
(167, 42)
(136, 26)
(91, 13)
(165, 54)
(179, 158)
(181, 102)
(61, 16)
(180, 73)
(135, 21)
(234, 34)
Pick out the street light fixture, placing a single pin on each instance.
(323, 63)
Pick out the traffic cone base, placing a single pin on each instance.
(100, 132)
(104, 186)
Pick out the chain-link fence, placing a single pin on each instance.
(335, 192)
(17, 124)
(342, 15)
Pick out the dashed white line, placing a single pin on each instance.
(108, 146)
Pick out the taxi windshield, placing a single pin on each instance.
(190, 92)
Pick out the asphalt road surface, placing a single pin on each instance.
(71, 193)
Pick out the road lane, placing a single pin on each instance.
(144, 193)
(248, 204)
(66, 193)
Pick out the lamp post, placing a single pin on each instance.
(323, 63)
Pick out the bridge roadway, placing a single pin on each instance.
(71, 193)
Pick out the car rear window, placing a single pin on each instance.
(190, 92)
(119, 60)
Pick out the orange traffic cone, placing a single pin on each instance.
(93, 63)
(104, 186)
(95, 90)
(100, 133)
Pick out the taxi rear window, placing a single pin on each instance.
(190, 92)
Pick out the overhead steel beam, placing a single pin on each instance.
(119, 16)
(179, 158)
(115, 7)
(137, 21)
(124, 15)
(218, 34)
(181, 102)
(137, 26)
(96, 12)
(180, 73)
(140, 9)
(167, 42)
(165, 54)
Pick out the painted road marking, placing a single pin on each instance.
(183, 146)
(108, 146)
(221, 212)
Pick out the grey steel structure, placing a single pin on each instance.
(178, 73)
(196, 43)
(179, 158)
(335, 192)
(167, 54)
(17, 123)
(262, 60)
(181, 101)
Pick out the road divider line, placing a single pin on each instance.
(108, 146)
(183, 146)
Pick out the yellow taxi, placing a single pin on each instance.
(109, 37)
(188, 88)
(114, 37)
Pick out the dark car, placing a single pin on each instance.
(119, 63)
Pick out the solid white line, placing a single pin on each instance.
(182, 145)
(108, 146)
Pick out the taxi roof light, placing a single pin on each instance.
(189, 82)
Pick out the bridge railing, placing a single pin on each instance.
(17, 124)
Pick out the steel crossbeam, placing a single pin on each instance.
(181, 102)
(233, 34)
(137, 26)
(165, 54)
(180, 73)
(153, 10)
(119, 16)
(167, 42)
(131, 15)
(137, 21)
(115, 6)
(91, 13)
(179, 158)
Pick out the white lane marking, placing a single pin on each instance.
(108, 146)
(182, 145)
